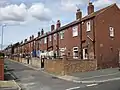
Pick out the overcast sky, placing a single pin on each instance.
(24, 18)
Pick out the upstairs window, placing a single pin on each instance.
(45, 40)
(75, 31)
(62, 35)
(50, 38)
(111, 30)
(88, 26)
(55, 36)
(40, 41)
(34, 43)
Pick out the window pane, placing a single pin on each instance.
(55, 36)
(75, 31)
(88, 26)
(50, 38)
(61, 34)
(45, 40)
(111, 30)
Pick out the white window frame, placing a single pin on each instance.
(74, 52)
(34, 43)
(45, 40)
(88, 26)
(40, 41)
(111, 31)
(75, 31)
(55, 36)
(50, 38)
(62, 35)
(119, 55)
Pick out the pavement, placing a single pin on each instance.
(9, 85)
(97, 76)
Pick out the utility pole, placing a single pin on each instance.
(2, 36)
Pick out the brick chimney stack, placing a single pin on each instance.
(90, 8)
(52, 27)
(25, 40)
(58, 24)
(21, 42)
(42, 32)
(78, 14)
(32, 36)
(38, 34)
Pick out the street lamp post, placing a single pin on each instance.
(2, 36)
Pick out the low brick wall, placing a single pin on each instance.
(16, 59)
(63, 67)
(79, 66)
(36, 62)
(54, 66)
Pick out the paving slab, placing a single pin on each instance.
(9, 85)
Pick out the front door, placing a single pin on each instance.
(42, 62)
(119, 57)
(85, 53)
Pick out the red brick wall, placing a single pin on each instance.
(69, 41)
(54, 66)
(1, 69)
(106, 56)
(72, 66)
(63, 67)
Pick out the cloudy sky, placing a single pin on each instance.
(24, 18)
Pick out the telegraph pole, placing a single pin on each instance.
(2, 36)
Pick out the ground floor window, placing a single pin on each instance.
(75, 52)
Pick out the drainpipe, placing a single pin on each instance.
(47, 41)
(81, 39)
(94, 42)
(94, 38)
(79, 17)
(58, 25)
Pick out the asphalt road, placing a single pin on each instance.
(30, 79)
(112, 85)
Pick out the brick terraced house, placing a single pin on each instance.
(93, 37)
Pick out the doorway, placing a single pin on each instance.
(85, 53)
(42, 62)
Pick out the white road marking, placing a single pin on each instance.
(28, 84)
(19, 88)
(90, 85)
(73, 88)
